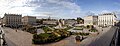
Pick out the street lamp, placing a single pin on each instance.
(82, 34)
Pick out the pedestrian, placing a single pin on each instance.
(16, 30)
(102, 29)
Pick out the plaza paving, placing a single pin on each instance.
(19, 38)
(104, 39)
(92, 38)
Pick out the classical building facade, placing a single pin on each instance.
(29, 20)
(50, 21)
(91, 20)
(107, 19)
(70, 22)
(13, 20)
(1, 20)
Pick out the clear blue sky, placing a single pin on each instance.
(59, 8)
(99, 5)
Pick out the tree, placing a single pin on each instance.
(88, 26)
(29, 29)
(79, 20)
(35, 36)
(39, 21)
(77, 38)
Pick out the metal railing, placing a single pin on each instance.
(114, 40)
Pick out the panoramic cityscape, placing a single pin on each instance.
(59, 23)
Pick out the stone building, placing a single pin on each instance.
(91, 20)
(29, 20)
(107, 19)
(12, 20)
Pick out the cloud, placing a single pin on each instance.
(60, 8)
(57, 7)
(90, 13)
(118, 14)
(105, 11)
(14, 6)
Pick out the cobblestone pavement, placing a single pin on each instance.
(19, 38)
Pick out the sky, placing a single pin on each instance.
(59, 8)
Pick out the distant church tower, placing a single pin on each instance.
(49, 18)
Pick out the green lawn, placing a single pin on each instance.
(46, 29)
(93, 30)
(78, 28)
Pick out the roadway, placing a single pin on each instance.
(105, 39)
